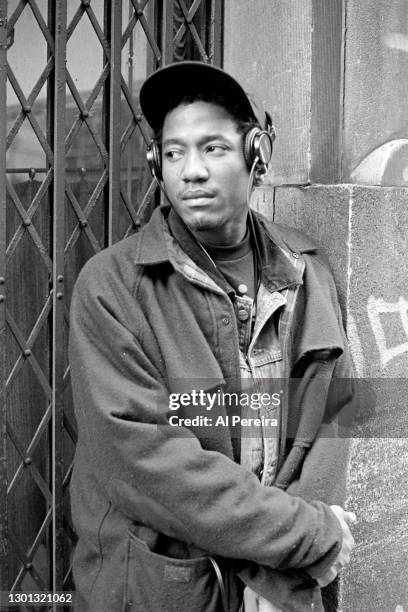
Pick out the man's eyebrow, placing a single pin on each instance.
(203, 140)
(170, 141)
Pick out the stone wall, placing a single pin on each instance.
(334, 76)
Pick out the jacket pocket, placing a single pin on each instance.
(155, 583)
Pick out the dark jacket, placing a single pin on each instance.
(151, 503)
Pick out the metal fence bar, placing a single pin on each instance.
(57, 206)
(130, 54)
(114, 113)
(167, 46)
(216, 31)
(58, 293)
(3, 411)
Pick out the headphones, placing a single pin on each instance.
(258, 148)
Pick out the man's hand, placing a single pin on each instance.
(345, 518)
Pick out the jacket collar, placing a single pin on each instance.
(277, 270)
(151, 246)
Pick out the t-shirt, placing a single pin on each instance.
(236, 264)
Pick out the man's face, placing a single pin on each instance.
(204, 171)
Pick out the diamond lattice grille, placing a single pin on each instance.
(29, 304)
(76, 180)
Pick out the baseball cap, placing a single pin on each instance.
(182, 78)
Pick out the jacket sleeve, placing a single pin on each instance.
(313, 471)
(160, 475)
(324, 468)
(322, 364)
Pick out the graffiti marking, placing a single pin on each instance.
(356, 350)
(377, 306)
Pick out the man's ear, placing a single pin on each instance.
(259, 176)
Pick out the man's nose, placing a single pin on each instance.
(194, 167)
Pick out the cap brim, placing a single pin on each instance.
(183, 78)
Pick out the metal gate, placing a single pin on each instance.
(73, 179)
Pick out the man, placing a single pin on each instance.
(176, 509)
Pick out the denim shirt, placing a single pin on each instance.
(261, 362)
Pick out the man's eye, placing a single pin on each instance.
(172, 155)
(216, 149)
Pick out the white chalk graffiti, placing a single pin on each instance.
(378, 306)
(356, 350)
(375, 308)
(396, 40)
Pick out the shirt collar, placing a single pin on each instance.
(191, 247)
(277, 270)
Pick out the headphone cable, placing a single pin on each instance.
(257, 251)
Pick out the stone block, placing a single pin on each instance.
(363, 230)
(375, 80)
(322, 212)
(293, 60)
(275, 62)
(378, 287)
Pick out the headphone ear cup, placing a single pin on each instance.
(153, 156)
(249, 146)
(258, 144)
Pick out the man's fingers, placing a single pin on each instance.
(350, 518)
(347, 516)
(333, 571)
(327, 578)
(343, 558)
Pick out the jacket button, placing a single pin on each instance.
(243, 314)
(226, 320)
(295, 255)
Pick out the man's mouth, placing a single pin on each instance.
(197, 194)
